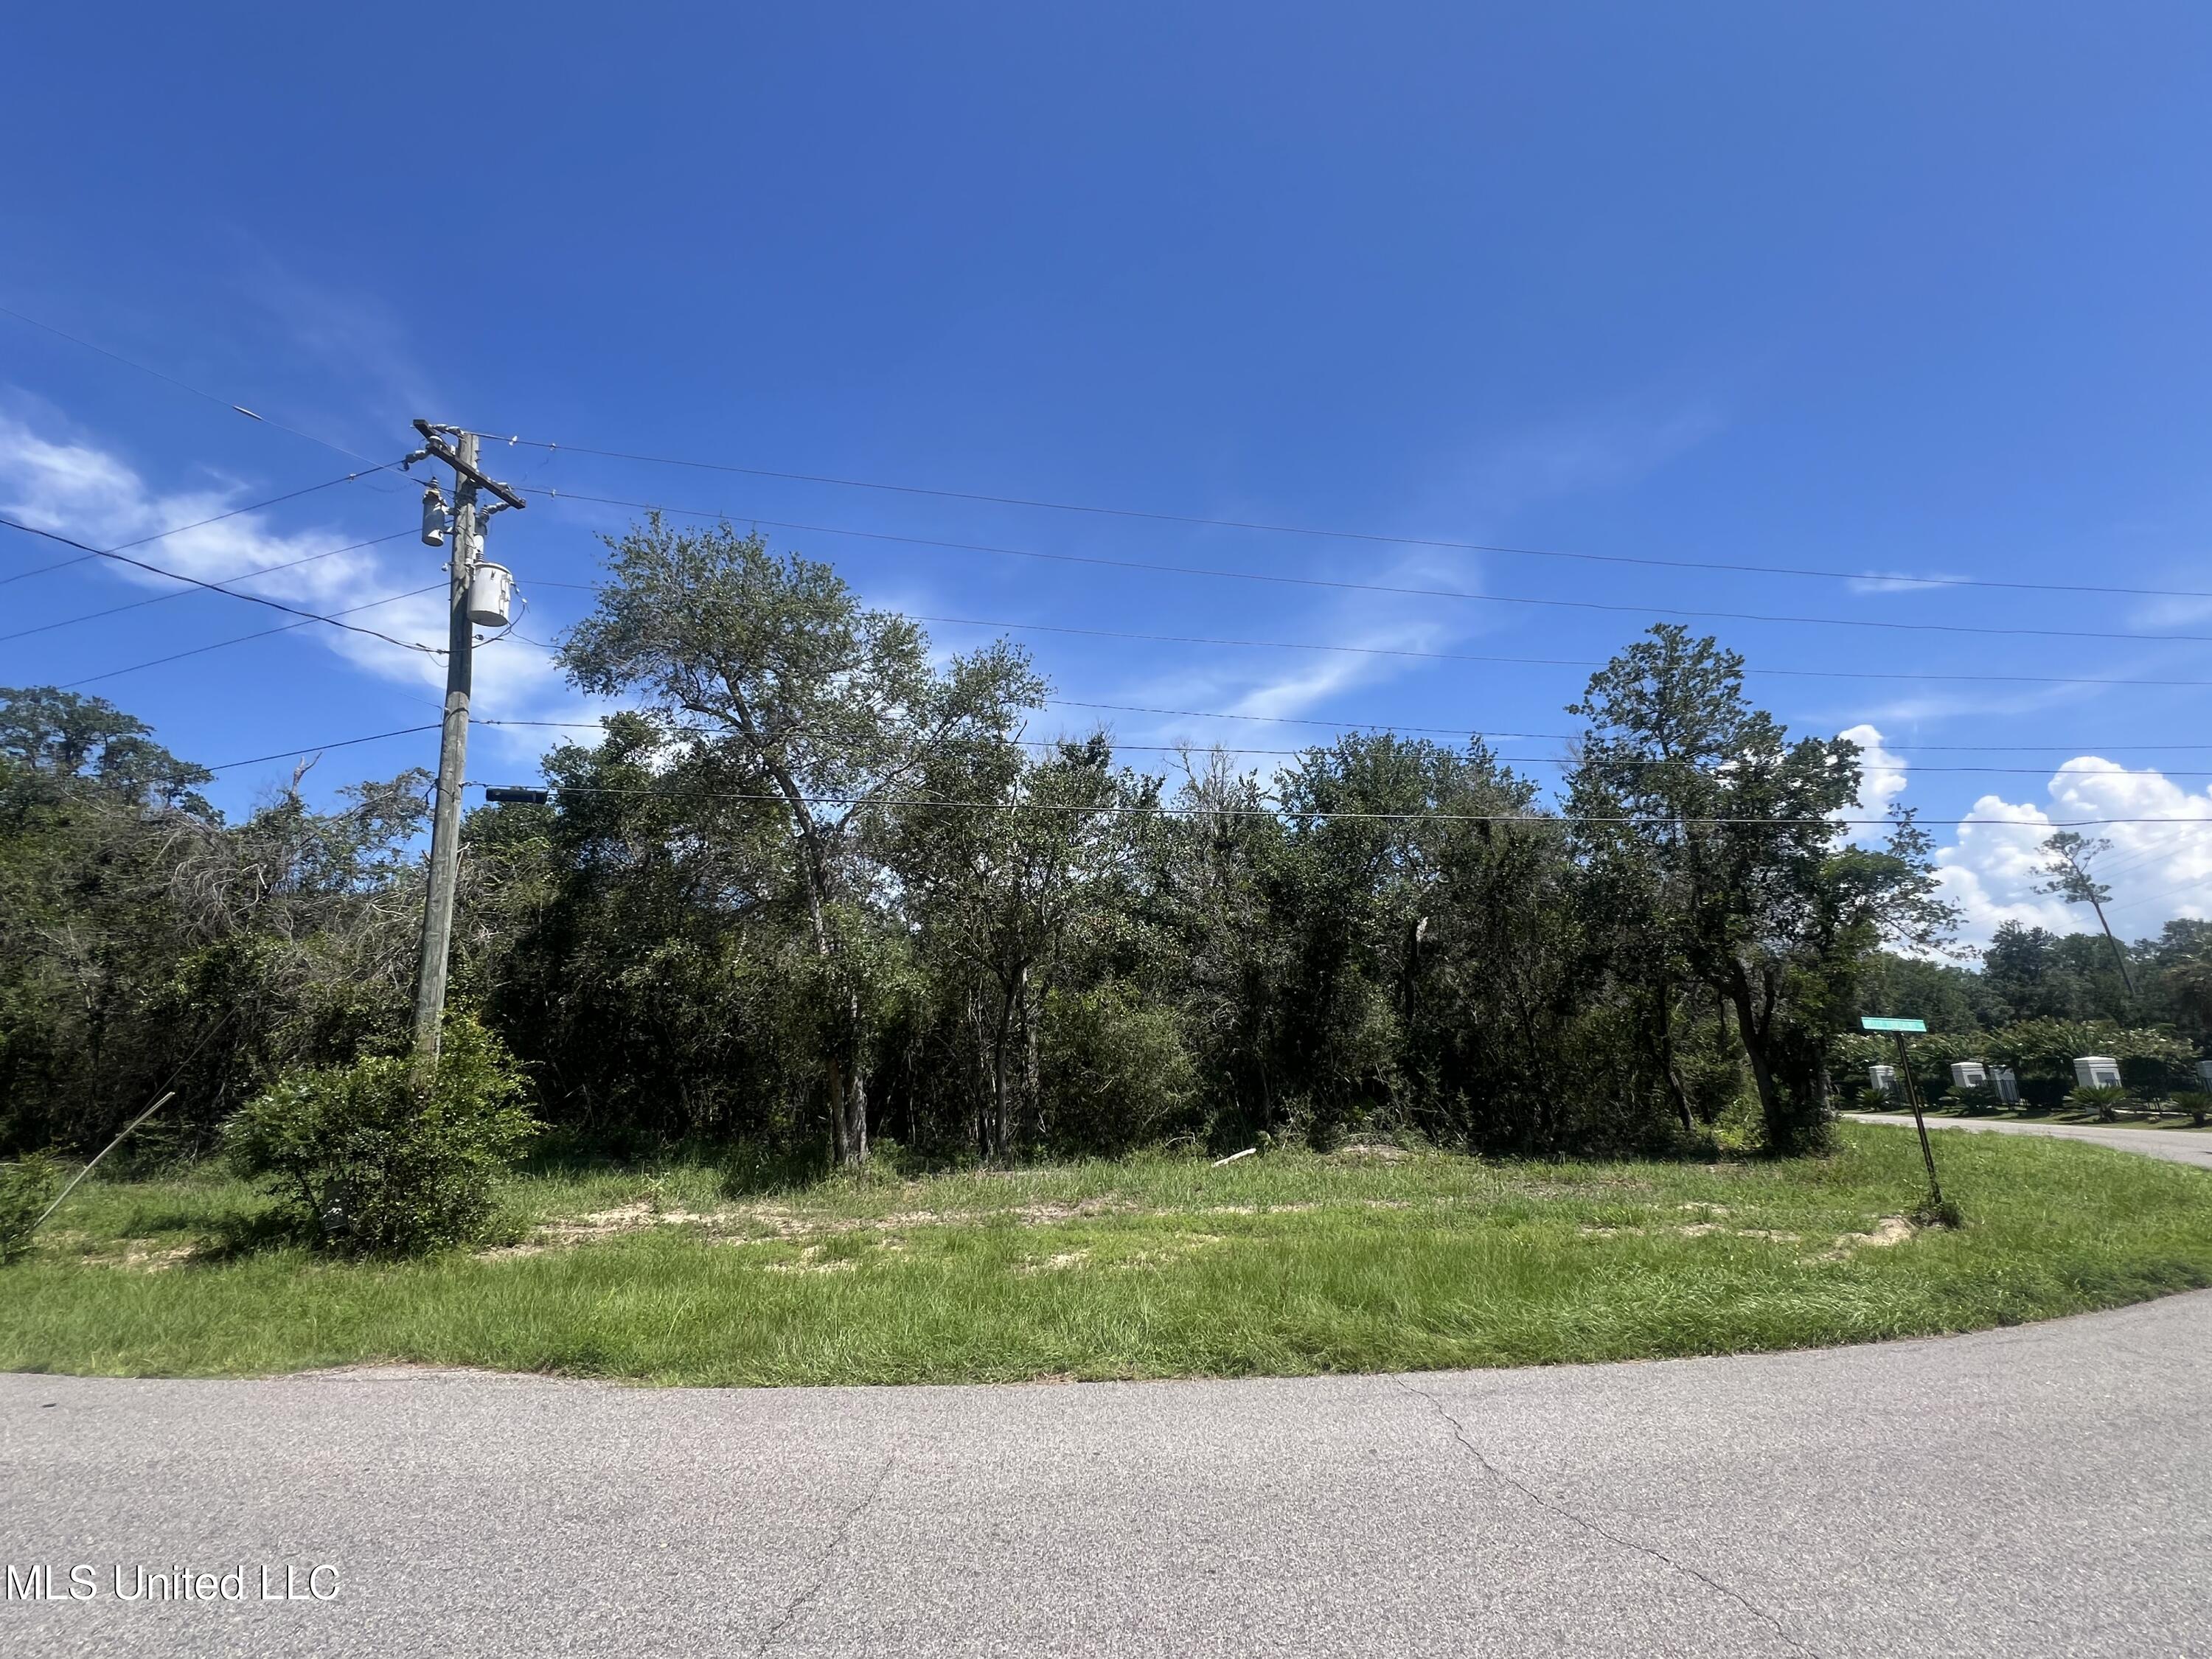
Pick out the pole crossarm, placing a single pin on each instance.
(440, 450)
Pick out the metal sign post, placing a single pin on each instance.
(1897, 1027)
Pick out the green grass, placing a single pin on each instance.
(1287, 1263)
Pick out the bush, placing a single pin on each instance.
(2196, 1104)
(2105, 1100)
(26, 1187)
(1973, 1100)
(377, 1161)
(1115, 1072)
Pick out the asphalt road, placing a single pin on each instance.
(2175, 1146)
(2043, 1490)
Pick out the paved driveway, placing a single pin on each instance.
(2043, 1490)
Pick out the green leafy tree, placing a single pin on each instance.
(1000, 881)
(1728, 832)
(767, 674)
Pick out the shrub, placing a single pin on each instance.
(2105, 1100)
(2196, 1104)
(26, 1187)
(376, 1160)
(1973, 1100)
(1115, 1072)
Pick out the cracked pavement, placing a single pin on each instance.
(2044, 1489)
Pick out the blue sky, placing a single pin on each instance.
(1872, 289)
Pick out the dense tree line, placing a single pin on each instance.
(817, 888)
(2031, 973)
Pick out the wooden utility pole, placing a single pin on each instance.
(465, 554)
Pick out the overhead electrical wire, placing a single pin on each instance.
(1521, 662)
(317, 747)
(1570, 737)
(264, 633)
(182, 385)
(1513, 759)
(1805, 822)
(2199, 885)
(1341, 585)
(174, 529)
(1441, 542)
(247, 575)
(1534, 818)
(218, 588)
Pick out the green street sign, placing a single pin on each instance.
(1885, 1022)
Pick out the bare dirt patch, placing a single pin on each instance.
(1694, 1230)
(811, 1261)
(1373, 1151)
(1064, 1261)
(138, 1254)
(1890, 1230)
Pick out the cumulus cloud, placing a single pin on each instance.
(1994, 860)
(1882, 776)
(2156, 869)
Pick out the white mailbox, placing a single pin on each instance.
(2096, 1071)
(1969, 1074)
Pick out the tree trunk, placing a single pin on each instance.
(1792, 1119)
(850, 1108)
(844, 1074)
(2119, 958)
(1664, 1023)
(1000, 1040)
(1032, 1072)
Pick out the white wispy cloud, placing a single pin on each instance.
(2171, 612)
(1899, 581)
(1603, 449)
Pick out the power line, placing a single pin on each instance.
(1339, 585)
(216, 587)
(2197, 885)
(2159, 847)
(1351, 535)
(174, 529)
(1468, 656)
(317, 747)
(1520, 662)
(183, 386)
(1810, 821)
(1512, 760)
(261, 634)
(248, 576)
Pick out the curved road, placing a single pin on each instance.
(2173, 1145)
(2041, 1490)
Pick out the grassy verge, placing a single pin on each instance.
(1155, 1267)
